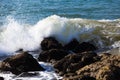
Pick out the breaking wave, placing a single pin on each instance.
(15, 35)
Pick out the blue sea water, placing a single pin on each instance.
(31, 11)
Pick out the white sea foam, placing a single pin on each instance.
(14, 35)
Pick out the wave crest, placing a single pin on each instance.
(102, 33)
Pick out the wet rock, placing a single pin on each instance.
(109, 72)
(61, 73)
(85, 46)
(99, 70)
(29, 74)
(80, 77)
(73, 62)
(69, 75)
(52, 55)
(19, 50)
(63, 64)
(50, 43)
(71, 45)
(19, 63)
(1, 78)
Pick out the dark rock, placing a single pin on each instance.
(19, 63)
(62, 64)
(51, 55)
(1, 78)
(73, 62)
(79, 77)
(71, 45)
(109, 72)
(88, 57)
(19, 50)
(85, 46)
(87, 78)
(102, 69)
(50, 43)
(61, 73)
(69, 74)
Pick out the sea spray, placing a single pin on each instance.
(15, 36)
(102, 33)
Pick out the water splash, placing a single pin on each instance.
(102, 33)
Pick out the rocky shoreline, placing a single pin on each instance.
(73, 61)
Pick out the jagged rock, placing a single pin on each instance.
(98, 71)
(109, 72)
(73, 62)
(85, 46)
(50, 43)
(19, 63)
(51, 55)
(71, 45)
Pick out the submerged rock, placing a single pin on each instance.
(19, 63)
(73, 62)
(50, 43)
(53, 54)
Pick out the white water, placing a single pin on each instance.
(14, 35)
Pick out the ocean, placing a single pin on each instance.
(32, 11)
(25, 23)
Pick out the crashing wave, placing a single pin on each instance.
(102, 33)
